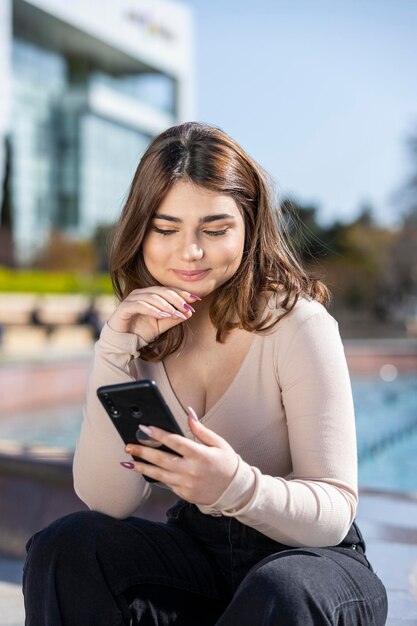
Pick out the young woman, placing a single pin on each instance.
(217, 310)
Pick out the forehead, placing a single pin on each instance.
(187, 198)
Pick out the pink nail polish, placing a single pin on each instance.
(163, 314)
(194, 297)
(188, 307)
(192, 413)
(178, 314)
(127, 464)
(146, 429)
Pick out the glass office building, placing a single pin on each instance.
(82, 101)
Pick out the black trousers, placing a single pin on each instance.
(88, 569)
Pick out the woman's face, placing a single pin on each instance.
(195, 239)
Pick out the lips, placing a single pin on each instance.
(190, 275)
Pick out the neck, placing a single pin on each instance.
(200, 321)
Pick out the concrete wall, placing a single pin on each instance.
(35, 492)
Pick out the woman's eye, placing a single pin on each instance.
(212, 233)
(216, 233)
(163, 232)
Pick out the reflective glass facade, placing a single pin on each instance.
(71, 168)
(80, 101)
(156, 90)
(109, 154)
(39, 79)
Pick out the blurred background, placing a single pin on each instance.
(322, 94)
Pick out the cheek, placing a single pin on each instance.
(232, 252)
(237, 245)
(153, 249)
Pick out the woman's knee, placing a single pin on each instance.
(68, 537)
(310, 588)
(63, 577)
(287, 575)
(281, 589)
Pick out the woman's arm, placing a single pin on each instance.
(317, 505)
(99, 480)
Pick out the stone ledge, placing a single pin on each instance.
(37, 488)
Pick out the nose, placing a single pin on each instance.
(191, 251)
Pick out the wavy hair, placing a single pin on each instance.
(206, 156)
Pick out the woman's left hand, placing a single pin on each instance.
(202, 472)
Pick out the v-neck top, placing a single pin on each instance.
(288, 414)
(168, 391)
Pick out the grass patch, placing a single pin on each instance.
(37, 281)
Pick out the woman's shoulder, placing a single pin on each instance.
(305, 309)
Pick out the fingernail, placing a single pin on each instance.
(163, 314)
(129, 449)
(194, 297)
(178, 314)
(192, 413)
(127, 464)
(146, 429)
(188, 307)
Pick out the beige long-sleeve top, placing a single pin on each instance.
(288, 414)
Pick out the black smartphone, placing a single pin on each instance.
(140, 402)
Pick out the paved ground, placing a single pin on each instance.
(11, 601)
(388, 522)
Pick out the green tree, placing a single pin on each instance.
(61, 253)
(409, 190)
(310, 240)
(399, 277)
(356, 271)
(102, 240)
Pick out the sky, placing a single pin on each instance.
(321, 93)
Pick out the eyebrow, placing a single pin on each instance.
(202, 220)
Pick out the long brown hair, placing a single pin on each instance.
(207, 156)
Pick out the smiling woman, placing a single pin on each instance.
(204, 243)
(185, 170)
(216, 309)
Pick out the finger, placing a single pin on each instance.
(176, 297)
(202, 433)
(185, 299)
(158, 457)
(159, 307)
(177, 443)
(157, 473)
(155, 300)
(140, 307)
(168, 310)
(162, 304)
(184, 294)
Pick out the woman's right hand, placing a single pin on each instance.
(150, 311)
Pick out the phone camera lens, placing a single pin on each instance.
(135, 411)
(115, 412)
